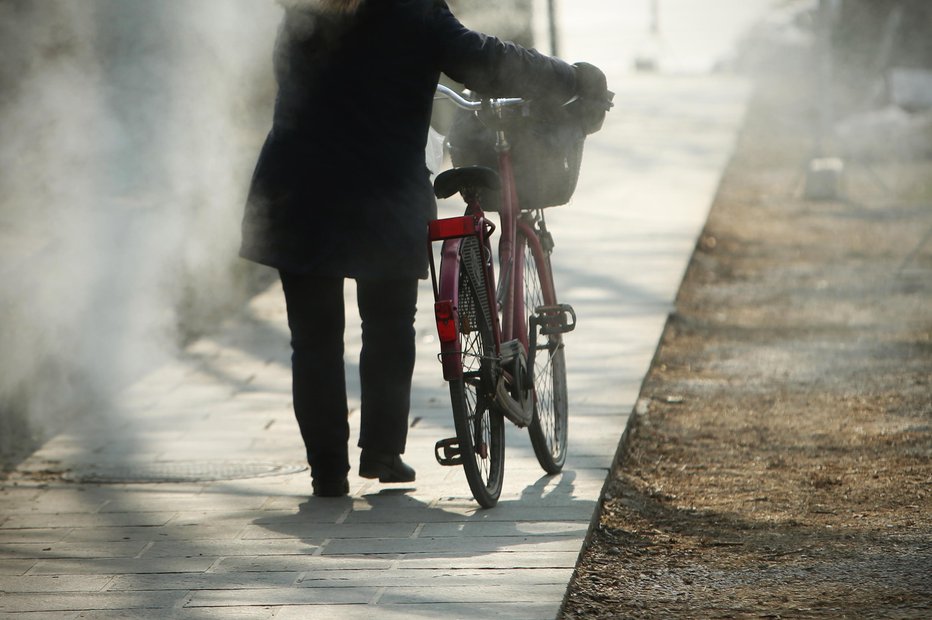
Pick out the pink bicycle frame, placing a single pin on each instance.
(452, 231)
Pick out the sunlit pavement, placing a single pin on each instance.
(180, 530)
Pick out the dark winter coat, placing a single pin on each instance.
(341, 187)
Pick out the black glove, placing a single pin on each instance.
(594, 97)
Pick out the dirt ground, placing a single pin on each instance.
(779, 462)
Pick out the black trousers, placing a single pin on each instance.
(316, 320)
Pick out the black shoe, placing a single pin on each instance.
(330, 488)
(385, 467)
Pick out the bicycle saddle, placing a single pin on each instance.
(466, 178)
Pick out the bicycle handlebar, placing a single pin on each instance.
(504, 102)
(468, 104)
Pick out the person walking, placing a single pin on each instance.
(341, 190)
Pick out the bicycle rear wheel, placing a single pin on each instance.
(480, 429)
(548, 428)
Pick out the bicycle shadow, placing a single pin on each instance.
(414, 531)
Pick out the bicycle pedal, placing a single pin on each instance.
(556, 319)
(447, 452)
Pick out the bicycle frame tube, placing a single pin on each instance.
(540, 257)
(506, 245)
(519, 312)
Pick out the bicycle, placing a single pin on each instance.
(501, 341)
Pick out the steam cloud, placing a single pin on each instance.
(128, 132)
(128, 129)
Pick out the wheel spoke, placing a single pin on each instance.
(548, 428)
(479, 428)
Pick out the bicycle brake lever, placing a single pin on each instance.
(609, 100)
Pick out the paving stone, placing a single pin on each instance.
(87, 520)
(275, 597)
(427, 611)
(410, 515)
(15, 567)
(57, 501)
(206, 581)
(123, 549)
(490, 593)
(540, 544)
(142, 502)
(509, 560)
(121, 566)
(257, 517)
(508, 511)
(222, 548)
(11, 493)
(44, 535)
(63, 583)
(47, 615)
(320, 531)
(196, 613)
(45, 602)
(421, 578)
(303, 563)
(503, 529)
(222, 531)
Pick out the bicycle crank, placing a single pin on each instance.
(514, 394)
(519, 411)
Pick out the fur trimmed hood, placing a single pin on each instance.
(323, 6)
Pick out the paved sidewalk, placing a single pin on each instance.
(245, 545)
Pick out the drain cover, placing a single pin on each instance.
(177, 471)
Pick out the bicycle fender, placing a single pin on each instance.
(448, 292)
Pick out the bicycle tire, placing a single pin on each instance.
(549, 426)
(480, 429)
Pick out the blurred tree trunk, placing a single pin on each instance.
(860, 29)
(870, 38)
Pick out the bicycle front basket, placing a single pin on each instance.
(547, 161)
(546, 156)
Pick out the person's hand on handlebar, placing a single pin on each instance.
(594, 97)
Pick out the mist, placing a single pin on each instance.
(128, 131)
(129, 128)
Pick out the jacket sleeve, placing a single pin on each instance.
(493, 67)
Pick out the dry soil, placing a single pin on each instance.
(779, 461)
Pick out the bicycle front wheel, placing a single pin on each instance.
(480, 429)
(548, 428)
